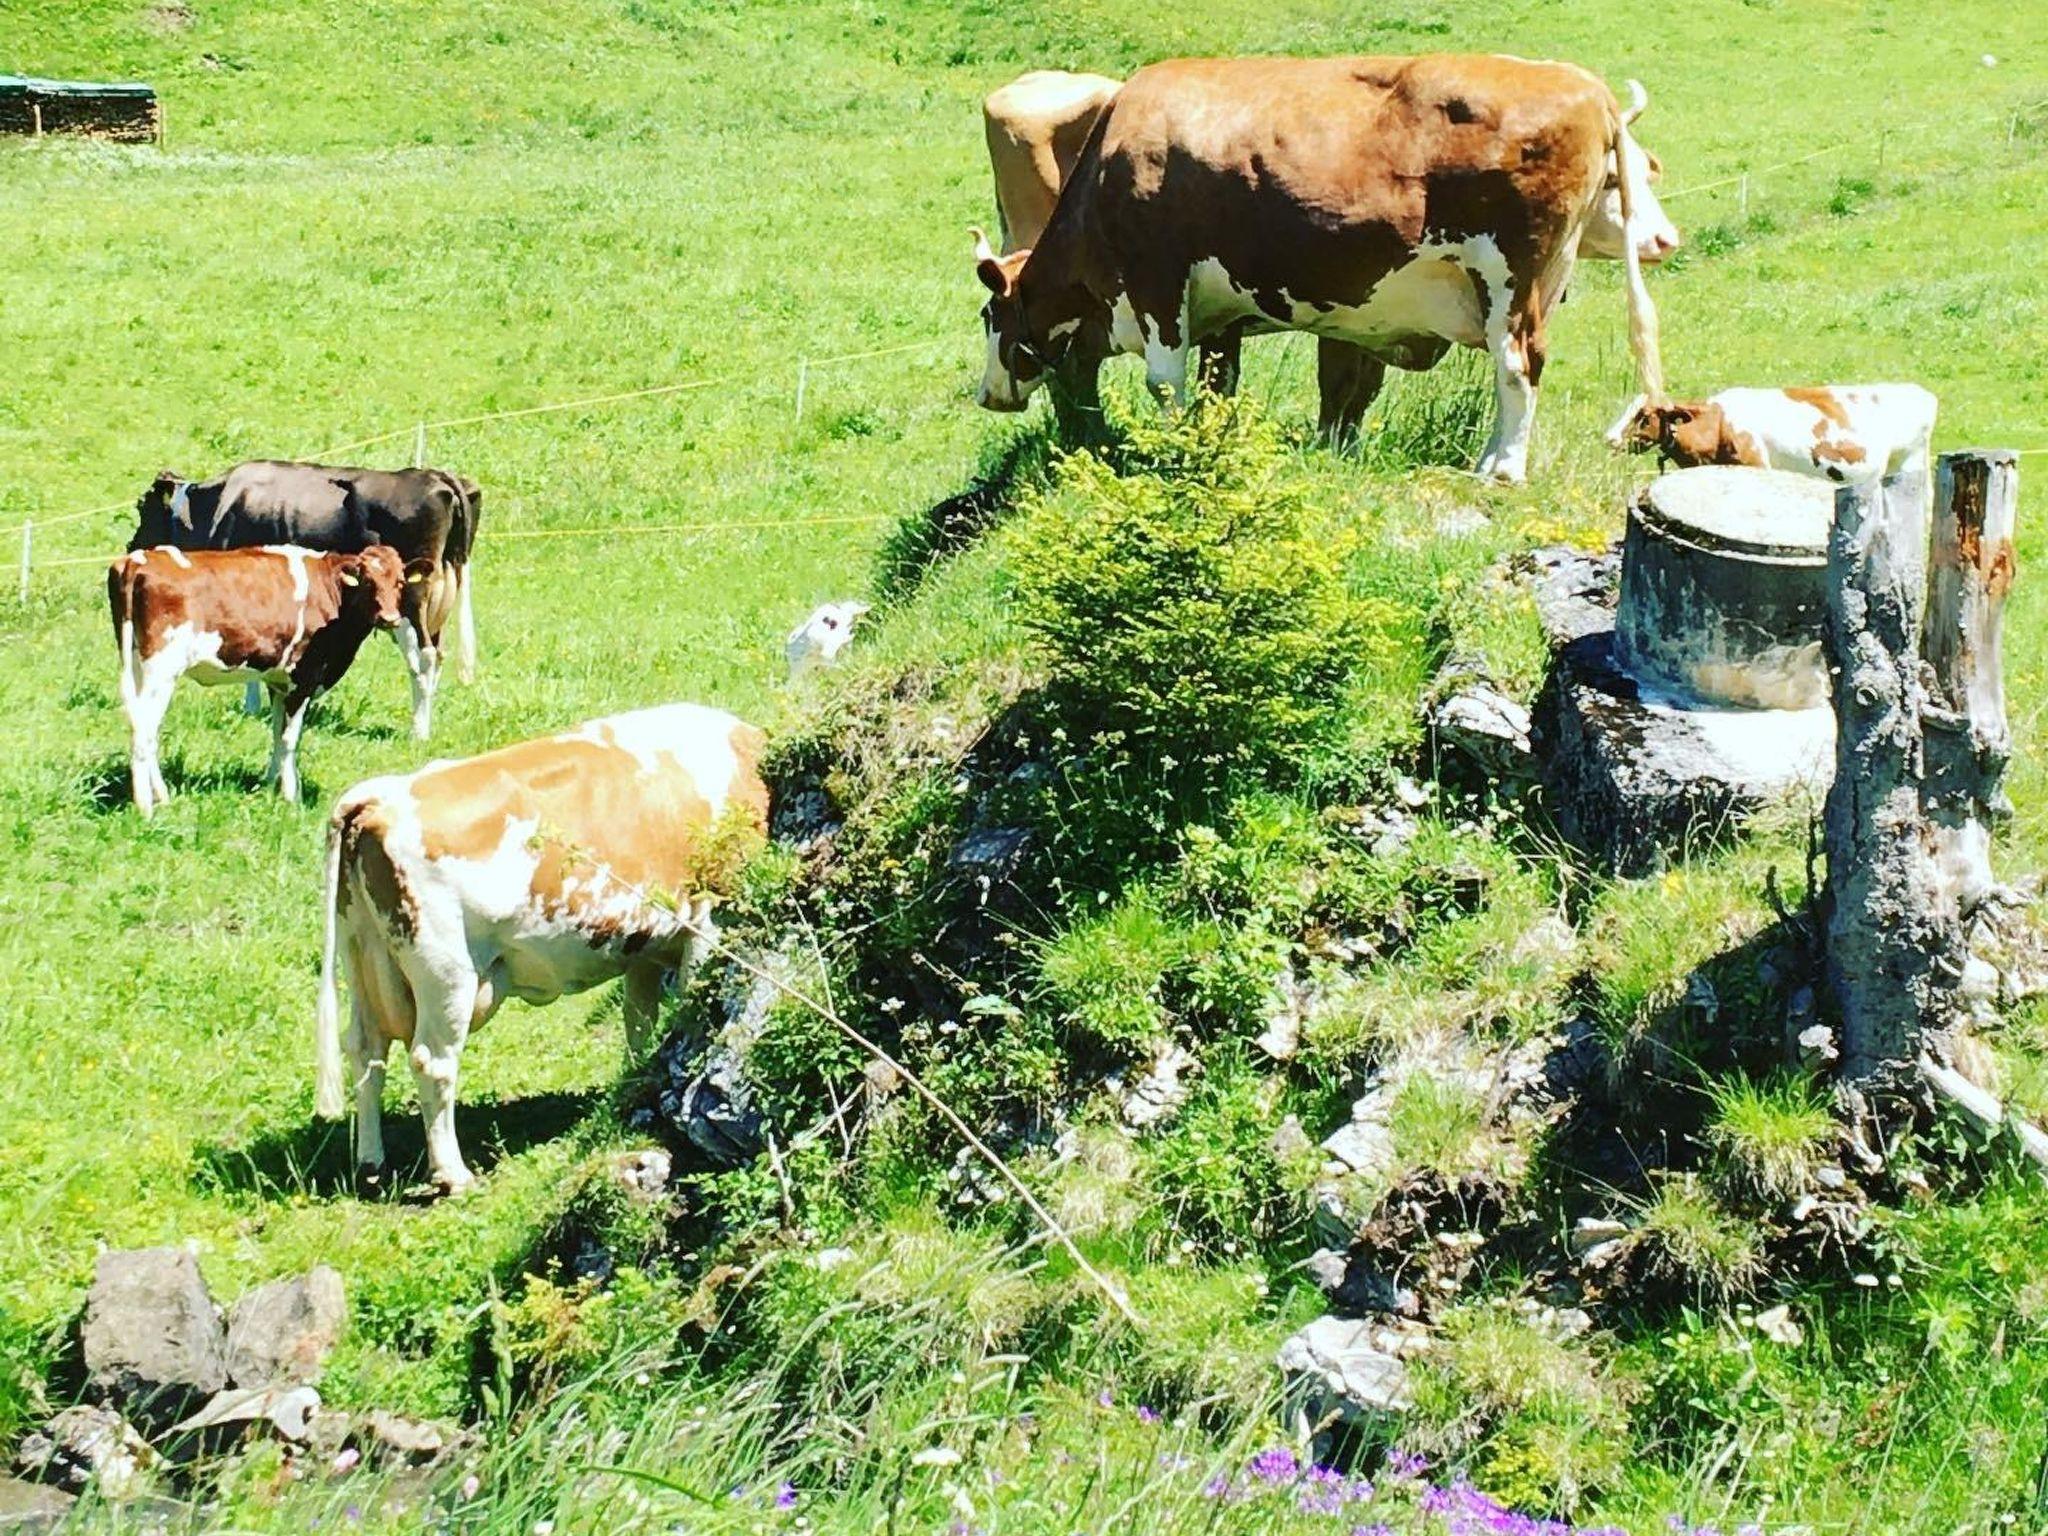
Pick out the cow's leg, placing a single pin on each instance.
(1514, 339)
(446, 997)
(1348, 378)
(152, 701)
(642, 1010)
(287, 720)
(1076, 390)
(380, 1011)
(422, 664)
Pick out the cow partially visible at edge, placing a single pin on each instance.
(1838, 432)
(1400, 204)
(429, 516)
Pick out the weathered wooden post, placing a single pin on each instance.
(1894, 934)
(1968, 742)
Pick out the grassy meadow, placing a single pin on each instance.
(373, 215)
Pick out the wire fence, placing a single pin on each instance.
(1747, 184)
(419, 431)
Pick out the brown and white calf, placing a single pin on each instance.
(1397, 205)
(1841, 432)
(288, 618)
(538, 869)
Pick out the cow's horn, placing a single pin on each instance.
(1638, 98)
(983, 251)
(350, 579)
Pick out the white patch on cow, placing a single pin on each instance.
(295, 560)
(180, 498)
(1166, 365)
(1889, 429)
(1507, 452)
(999, 390)
(1063, 330)
(178, 557)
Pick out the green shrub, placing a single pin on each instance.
(1192, 600)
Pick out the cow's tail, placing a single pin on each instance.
(1642, 314)
(121, 592)
(466, 512)
(329, 1086)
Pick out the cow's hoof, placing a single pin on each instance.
(454, 1186)
(372, 1179)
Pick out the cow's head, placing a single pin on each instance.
(818, 641)
(1687, 432)
(1017, 361)
(373, 584)
(1656, 237)
(156, 510)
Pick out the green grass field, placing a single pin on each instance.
(372, 215)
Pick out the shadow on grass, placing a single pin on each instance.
(314, 1158)
(108, 792)
(923, 539)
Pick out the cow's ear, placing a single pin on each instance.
(993, 277)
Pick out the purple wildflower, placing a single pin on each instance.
(352, 1513)
(1322, 1492)
(1104, 1400)
(1147, 1414)
(1276, 1465)
(1175, 1461)
(785, 1496)
(1372, 1530)
(1405, 1464)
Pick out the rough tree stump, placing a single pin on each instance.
(1968, 741)
(1921, 748)
(1893, 939)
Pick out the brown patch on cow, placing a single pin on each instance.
(606, 824)
(1323, 192)
(248, 597)
(1827, 452)
(1824, 401)
(366, 862)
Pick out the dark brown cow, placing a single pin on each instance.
(284, 617)
(1399, 204)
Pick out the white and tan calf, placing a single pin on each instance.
(538, 869)
(1839, 432)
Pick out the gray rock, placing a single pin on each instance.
(990, 853)
(284, 1331)
(1589, 1232)
(392, 1440)
(1286, 1011)
(152, 1339)
(86, 1447)
(643, 1175)
(288, 1410)
(1486, 727)
(1344, 1366)
(30, 1509)
(714, 1110)
(1160, 1092)
(1575, 591)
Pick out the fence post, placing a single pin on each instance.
(1743, 195)
(28, 534)
(803, 378)
(1968, 741)
(1894, 944)
(419, 446)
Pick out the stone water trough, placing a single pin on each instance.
(1701, 694)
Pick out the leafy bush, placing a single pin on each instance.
(1192, 601)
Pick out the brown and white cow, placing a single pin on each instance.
(538, 869)
(1838, 432)
(290, 619)
(429, 516)
(1402, 205)
(1036, 127)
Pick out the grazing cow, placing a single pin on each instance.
(1400, 204)
(537, 869)
(289, 619)
(428, 515)
(818, 641)
(1037, 126)
(1840, 432)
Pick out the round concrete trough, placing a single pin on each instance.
(1723, 576)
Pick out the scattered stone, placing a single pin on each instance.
(1345, 1366)
(87, 1447)
(803, 817)
(30, 1509)
(287, 1409)
(1386, 830)
(1455, 522)
(643, 1175)
(1487, 728)
(1286, 1010)
(707, 1101)
(1576, 1059)
(327, 1432)
(829, 1259)
(1160, 1092)
(1828, 1176)
(1575, 590)
(974, 1182)
(152, 1340)
(1589, 1232)
(1410, 793)
(1777, 1326)
(390, 1439)
(1358, 1287)
(1600, 1255)
(1816, 1042)
(990, 854)
(284, 1331)
(1290, 1141)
